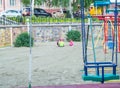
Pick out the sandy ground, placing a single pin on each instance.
(52, 65)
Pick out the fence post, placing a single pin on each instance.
(11, 32)
(28, 29)
(70, 28)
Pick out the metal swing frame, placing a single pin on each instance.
(98, 65)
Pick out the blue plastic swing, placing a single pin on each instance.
(110, 42)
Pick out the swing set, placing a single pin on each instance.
(109, 29)
(96, 65)
(111, 39)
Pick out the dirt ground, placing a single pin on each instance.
(51, 65)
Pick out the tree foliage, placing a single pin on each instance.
(88, 3)
(39, 2)
(26, 2)
(75, 3)
(36, 2)
(64, 3)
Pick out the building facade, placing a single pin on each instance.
(10, 4)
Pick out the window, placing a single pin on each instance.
(12, 11)
(12, 2)
(42, 11)
(0, 2)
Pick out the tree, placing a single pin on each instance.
(57, 3)
(26, 2)
(62, 4)
(36, 2)
(71, 5)
(75, 4)
(33, 2)
(88, 3)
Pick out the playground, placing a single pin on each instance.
(52, 65)
(93, 62)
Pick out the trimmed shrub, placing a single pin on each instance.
(73, 35)
(23, 40)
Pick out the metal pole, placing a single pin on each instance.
(30, 52)
(83, 30)
(116, 13)
(28, 26)
(93, 45)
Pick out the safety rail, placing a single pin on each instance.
(5, 21)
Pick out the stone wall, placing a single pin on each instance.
(8, 35)
(40, 34)
(5, 37)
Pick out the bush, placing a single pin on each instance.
(44, 19)
(73, 35)
(23, 40)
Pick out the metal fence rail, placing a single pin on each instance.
(6, 21)
(39, 20)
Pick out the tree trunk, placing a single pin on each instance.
(70, 8)
(32, 7)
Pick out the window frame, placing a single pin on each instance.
(1, 1)
(12, 2)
